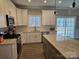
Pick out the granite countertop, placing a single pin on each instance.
(8, 42)
(68, 48)
(32, 30)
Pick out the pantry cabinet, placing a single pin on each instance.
(48, 17)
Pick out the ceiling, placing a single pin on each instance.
(40, 3)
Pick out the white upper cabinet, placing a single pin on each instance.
(7, 7)
(24, 16)
(19, 16)
(3, 21)
(48, 17)
(11, 9)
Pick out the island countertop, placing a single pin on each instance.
(67, 47)
(8, 42)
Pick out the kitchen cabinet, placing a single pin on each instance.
(48, 17)
(24, 16)
(31, 37)
(8, 51)
(10, 10)
(2, 7)
(50, 51)
(21, 16)
(7, 7)
(3, 21)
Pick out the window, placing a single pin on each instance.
(65, 26)
(34, 21)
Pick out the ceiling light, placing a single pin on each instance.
(45, 1)
(59, 2)
(29, 0)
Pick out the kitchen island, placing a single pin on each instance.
(60, 49)
(8, 49)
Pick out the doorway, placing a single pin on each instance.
(65, 27)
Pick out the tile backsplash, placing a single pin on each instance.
(23, 28)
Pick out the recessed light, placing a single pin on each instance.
(59, 2)
(45, 1)
(29, 0)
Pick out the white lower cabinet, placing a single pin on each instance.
(8, 52)
(31, 37)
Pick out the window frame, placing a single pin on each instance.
(34, 26)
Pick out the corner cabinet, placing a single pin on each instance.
(48, 17)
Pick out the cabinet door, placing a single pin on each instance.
(2, 7)
(9, 9)
(37, 37)
(2, 21)
(14, 51)
(52, 17)
(45, 17)
(19, 16)
(24, 16)
(33, 37)
(48, 17)
(5, 52)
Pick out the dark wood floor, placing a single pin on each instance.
(32, 51)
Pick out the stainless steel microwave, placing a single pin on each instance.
(10, 20)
